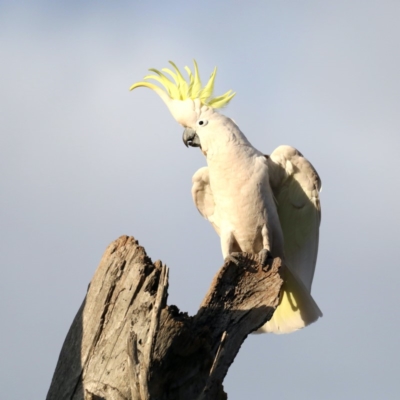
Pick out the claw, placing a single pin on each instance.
(265, 257)
(232, 257)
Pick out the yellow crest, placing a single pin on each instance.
(179, 89)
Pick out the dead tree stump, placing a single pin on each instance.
(125, 343)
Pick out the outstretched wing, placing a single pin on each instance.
(202, 195)
(296, 187)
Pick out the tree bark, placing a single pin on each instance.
(125, 343)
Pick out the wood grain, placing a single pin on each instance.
(127, 343)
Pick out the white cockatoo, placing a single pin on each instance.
(257, 204)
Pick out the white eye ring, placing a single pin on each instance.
(202, 122)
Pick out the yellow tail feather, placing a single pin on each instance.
(296, 308)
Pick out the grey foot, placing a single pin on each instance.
(233, 257)
(265, 257)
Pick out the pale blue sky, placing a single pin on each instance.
(83, 161)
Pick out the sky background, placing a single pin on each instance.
(83, 161)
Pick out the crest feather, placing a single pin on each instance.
(179, 89)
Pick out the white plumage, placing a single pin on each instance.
(256, 203)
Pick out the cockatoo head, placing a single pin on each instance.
(190, 103)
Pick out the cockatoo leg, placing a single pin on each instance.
(227, 245)
(265, 255)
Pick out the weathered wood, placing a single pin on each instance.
(126, 344)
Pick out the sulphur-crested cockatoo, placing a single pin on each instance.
(256, 203)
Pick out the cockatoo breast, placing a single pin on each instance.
(243, 199)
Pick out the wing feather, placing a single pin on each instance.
(202, 195)
(296, 187)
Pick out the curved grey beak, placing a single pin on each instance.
(190, 138)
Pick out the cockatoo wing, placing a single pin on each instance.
(296, 185)
(202, 195)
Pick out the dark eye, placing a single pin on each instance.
(202, 122)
